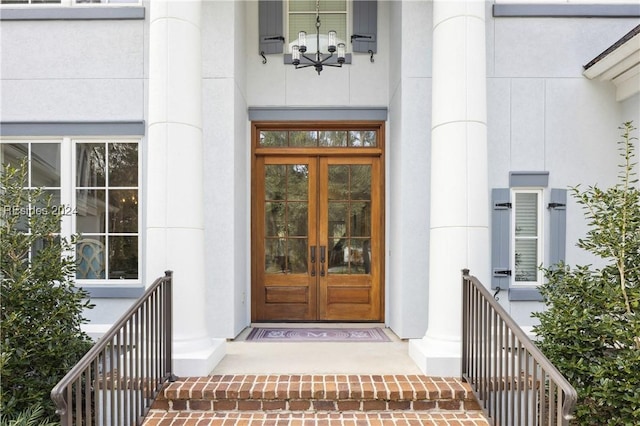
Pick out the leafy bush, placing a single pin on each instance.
(33, 416)
(591, 329)
(41, 308)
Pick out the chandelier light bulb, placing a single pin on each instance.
(302, 41)
(295, 54)
(341, 53)
(332, 41)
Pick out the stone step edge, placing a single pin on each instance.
(161, 418)
(315, 405)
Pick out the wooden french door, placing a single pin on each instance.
(317, 238)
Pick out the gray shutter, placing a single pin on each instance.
(501, 238)
(270, 26)
(365, 26)
(557, 225)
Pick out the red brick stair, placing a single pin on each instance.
(316, 400)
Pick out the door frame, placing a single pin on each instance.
(377, 151)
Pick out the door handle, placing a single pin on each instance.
(323, 251)
(313, 261)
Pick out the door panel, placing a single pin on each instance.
(284, 228)
(349, 201)
(317, 239)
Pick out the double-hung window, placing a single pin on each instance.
(527, 236)
(528, 230)
(94, 183)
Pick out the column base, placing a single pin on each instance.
(197, 359)
(436, 357)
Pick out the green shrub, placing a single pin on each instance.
(591, 328)
(41, 308)
(33, 416)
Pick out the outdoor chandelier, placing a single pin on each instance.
(299, 50)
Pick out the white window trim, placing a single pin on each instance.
(540, 237)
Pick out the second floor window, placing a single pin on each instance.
(301, 16)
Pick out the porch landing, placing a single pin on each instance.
(245, 357)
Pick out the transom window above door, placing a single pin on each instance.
(318, 138)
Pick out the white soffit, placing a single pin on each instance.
(619, 64)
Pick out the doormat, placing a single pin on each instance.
(266, 334)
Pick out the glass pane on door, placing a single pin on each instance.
(286, 212)
(349, 216)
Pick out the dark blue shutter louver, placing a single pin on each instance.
(365, 26)
(557, 225)
(500, 238)
(270, 25)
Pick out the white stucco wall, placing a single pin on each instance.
(72, 70)
(408, 154)
(544, 115)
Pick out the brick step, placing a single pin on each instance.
(208, 418)
(317, 393)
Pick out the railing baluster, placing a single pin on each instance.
(139, 361)
(126, 385)
(524, 385)
(104, 388)
(87, 394)
(542, 394)
(70, 405)
(96, 392)
(147, 353)
(118, 378)
(513, 381)
(535, 407)
(501, 375)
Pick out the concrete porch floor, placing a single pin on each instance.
(245, 357)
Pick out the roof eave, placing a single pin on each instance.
(620, 65)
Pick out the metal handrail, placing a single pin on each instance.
(513, 380)
(117, 380)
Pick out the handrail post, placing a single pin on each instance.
(465, 325)
(168, 310)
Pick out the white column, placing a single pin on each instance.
(459, 231)
(174, 179)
